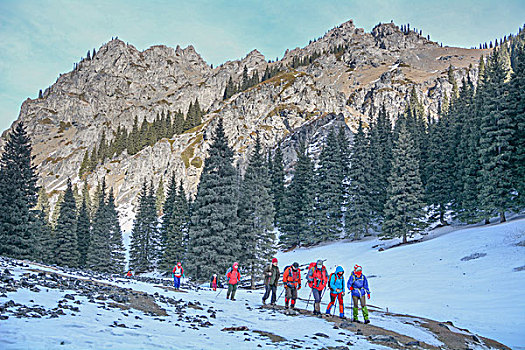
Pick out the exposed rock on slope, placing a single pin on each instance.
(122, 83)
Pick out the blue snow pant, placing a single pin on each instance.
(176, 282)
(317, 295)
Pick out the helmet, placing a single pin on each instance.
(295, 265)
(339, 269)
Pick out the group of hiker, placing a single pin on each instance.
(317, 278)
(318, 281)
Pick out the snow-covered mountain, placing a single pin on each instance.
(345, 75)
(473, 277)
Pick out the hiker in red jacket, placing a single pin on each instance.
(178, 272)
(317, 278)
(129, 274)
(292, 283)
(233, 276)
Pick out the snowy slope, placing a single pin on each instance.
(92, 326)
(429, 279)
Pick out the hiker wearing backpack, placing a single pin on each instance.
(271, 281)
(292, 283)
(178, 272)
(358, 284)
(214, 282)
(317, 279)
(336, 283)
(233, 277)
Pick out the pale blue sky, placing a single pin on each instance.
(41, 39)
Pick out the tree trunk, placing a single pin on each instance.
(502, 217)
(487, 221)
(404, 238)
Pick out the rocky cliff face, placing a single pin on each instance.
(337, 88)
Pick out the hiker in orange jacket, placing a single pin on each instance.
(292, 283)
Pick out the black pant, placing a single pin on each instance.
(270, 288)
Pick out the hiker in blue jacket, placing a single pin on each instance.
(358, 284)
(336, 283)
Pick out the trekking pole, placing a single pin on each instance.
(308, 299)
(219, 293)
(280, 295)
(335, 304)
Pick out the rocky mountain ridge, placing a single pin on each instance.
(354, 74)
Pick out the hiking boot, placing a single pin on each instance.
(264, 302)
(356, 320)
(342, 316)
(233, 299)
(367, 321)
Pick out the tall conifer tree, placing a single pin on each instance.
(404, 207)
(213, 239)
(18, 194)
(65, 247)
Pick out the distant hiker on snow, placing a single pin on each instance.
(317, 279)
(214, 282)
(129, 274)
(292, 283)
(358, 284)
(233, 276)
(271, 281)
(178, 272)
(336, 283)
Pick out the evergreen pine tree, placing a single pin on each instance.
(358, 218)
(115, 236)
(174, 226)
(404, 206)
(516, 111)
(83, 232)
(496, 150)
(380, 150)
(65, 247)
(329, 188)
(145, 243)
(18, 194)
(99, 251)
(213, 241)
(278, 190)
(256, 214)
(298, 204)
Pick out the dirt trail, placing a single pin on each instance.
(446, 332)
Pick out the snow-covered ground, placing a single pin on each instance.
(485, 292)
(90, 328)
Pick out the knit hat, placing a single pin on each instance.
(295, 265)
(357, 268)
(319, 262)
(274, 260)
(235, 264)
